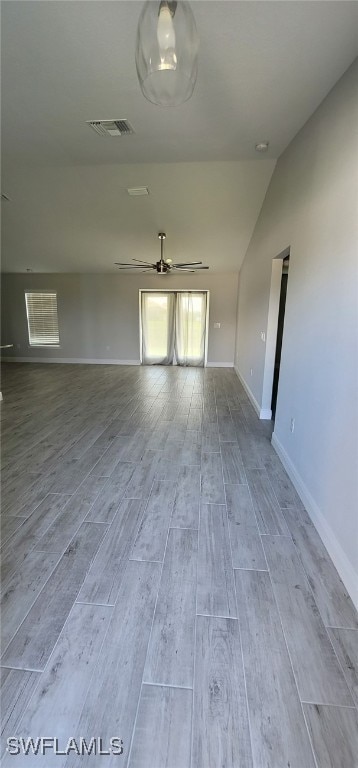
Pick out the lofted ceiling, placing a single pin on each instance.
(264, 67)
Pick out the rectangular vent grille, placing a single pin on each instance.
(137, 191)
(111, 127)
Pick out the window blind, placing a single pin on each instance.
(42, 321)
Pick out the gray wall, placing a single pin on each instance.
(99, 314)
(311, 206)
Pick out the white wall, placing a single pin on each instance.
(311, 207)
(99, 314)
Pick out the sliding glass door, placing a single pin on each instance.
(158, 323)
(190, 327)
(173, 327)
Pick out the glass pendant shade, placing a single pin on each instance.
(167, 52)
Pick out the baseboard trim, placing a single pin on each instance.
(334, 549)
(247, 389)
(90, 361)
(263, 413)
(73, 360)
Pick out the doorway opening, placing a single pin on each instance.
(173, 327)
(274, 334)
(279, 335)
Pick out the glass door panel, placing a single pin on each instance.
(157, 317)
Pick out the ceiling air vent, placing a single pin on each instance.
(137, 191)
(111, 127)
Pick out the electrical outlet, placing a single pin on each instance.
(251, 371)
(216, 325)
(292, 425)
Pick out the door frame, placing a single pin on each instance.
(176, 290)
(271, 332)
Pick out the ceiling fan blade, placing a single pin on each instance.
(144, 262)
(182, 269)
(189, 264)
(132, 266)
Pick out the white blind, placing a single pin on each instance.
(42, 321)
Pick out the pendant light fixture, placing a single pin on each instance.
(167, 52)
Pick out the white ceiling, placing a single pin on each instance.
(82, 218)
(263, 69)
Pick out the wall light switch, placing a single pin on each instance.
(263, 336)
(216, 325)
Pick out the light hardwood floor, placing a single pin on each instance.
(161, 580)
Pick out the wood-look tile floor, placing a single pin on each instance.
(161, 580)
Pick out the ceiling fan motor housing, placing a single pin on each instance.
(162, 267)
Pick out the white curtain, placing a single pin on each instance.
(158, 328)
(190, 327)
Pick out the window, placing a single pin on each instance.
(42, 322)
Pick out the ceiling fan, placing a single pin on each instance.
(163, 266)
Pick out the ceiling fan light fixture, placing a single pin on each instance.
(262, 146)
(167, 52)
